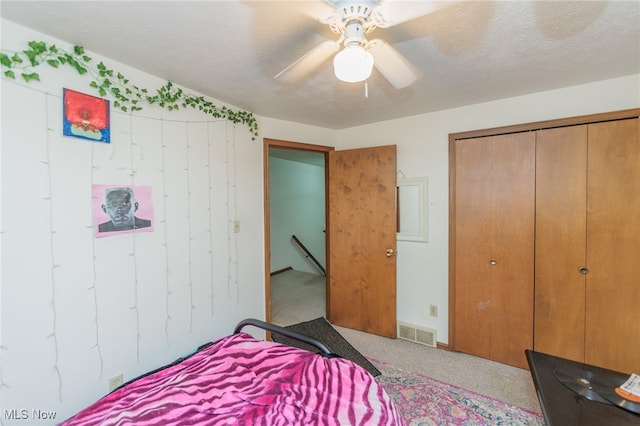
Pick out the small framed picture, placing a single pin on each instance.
(85, 116)
(121, 209)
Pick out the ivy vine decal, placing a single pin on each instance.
(128, 97)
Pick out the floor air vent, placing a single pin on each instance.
(415, 333)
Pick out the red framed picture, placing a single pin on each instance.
(85, 116)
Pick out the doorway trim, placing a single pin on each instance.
(268, 143)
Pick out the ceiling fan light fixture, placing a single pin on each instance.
(353, 64)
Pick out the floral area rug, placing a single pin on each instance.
(424, 401)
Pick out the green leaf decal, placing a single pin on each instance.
(30, 76)
(167, 96)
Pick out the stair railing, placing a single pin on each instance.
(308, 253)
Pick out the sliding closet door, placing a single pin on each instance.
(494, 246)
(561, 209)
(613, 246)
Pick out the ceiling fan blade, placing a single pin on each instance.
(316, 10)
(308, 62)
(391, 64)
(393, 12)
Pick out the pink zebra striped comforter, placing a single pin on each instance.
(243, 381)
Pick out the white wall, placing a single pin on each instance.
(76, 310)
(297, 199)
(422, 143)
(288, 131)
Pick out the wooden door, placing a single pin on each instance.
(361, 281)
(494, 222)
(612, 337)
(561, 210)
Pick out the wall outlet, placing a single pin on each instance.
(433, 310)
(115, 382)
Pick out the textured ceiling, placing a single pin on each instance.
(467, 52)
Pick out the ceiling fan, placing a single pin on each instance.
(352, 20)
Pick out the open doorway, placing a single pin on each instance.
(295, 209)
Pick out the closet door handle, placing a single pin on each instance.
(493, 261)
(583, 270)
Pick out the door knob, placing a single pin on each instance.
(492, 261)
(389, 252)
(584, 270)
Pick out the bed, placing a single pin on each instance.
(240, 380)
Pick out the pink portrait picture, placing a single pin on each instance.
(119, 209)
